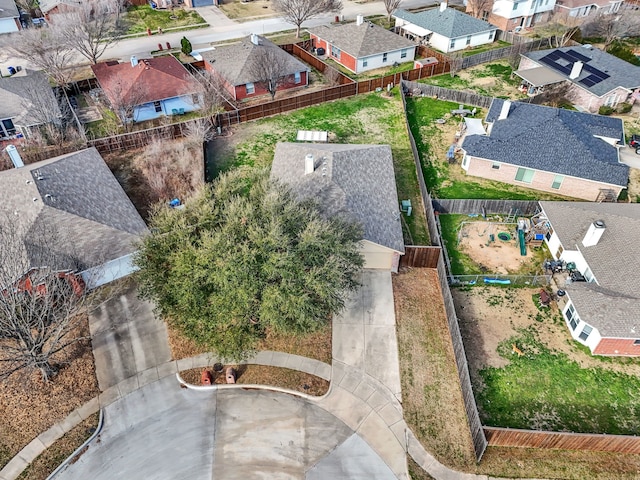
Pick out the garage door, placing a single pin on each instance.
(378, 260)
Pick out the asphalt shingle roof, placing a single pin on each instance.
(554, 140)
(19, 93)
(450, 23)
(151, 80)
(8, 9)
(234, 61)
(361, 40)
(621, 73)
(356, 181)
(613, 304)
(77, 196)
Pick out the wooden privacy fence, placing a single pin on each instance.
(499, 53)
(138, 139)
(466, 98)
(511, 437)
(479, 206)
(420, 256)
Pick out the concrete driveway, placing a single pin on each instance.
(164, 432)
(126, 338)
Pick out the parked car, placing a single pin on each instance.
(635, 143)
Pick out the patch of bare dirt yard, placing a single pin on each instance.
(29, 407)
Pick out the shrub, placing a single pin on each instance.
(605, 110)
(624, 107)
(619, 50)
(186, 46)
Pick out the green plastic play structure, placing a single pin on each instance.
(523, 245)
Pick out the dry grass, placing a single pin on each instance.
(432, 399)
(29, 407)
(53, 456)
(314, 345)
(266, 375)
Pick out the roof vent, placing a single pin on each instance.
(255, 39)
(309, 164)
(443, 6)
(594, 233)
(359, 19)
(134, 61)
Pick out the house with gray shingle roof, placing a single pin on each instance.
(9, 17)
(362, 46)
(235, 65)
(445, 29)
(603, 311)
(549, 149)
(78, 201)
(27, 102)
(594, 78)
(353, 181)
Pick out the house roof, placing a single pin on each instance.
(583, 3)
(361, 40)
(46, 6)
(601, 73)
(554, 140)
(613, 304)
(20, 92)
(77, 196)
(152, 79)
(356, 181)
(450, 23)
(233, 62)
(540, 76)
(8, 9)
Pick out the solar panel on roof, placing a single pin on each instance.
(576, 56)
(587, 82)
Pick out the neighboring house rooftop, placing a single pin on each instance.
(77, 197)
(46, 6)
(150, 80)
(613, 304)
(8, 9)
(450, 23)
(356, 181)
(28, 99)
(554, 140)
(601, 71)
(361, 40)
(234, 61)
(583, 3)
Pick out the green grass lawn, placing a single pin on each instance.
(139, 18)
(461, 263)
(374, 118)
(549, 391)
(485, 48)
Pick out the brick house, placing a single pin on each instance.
(508, 15)
(549, 149)
(232, 64)
(362, 46)
(356, 182)
(586, 8)
(600, 239)
(594, 77)
(445, 29)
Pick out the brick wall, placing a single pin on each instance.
(571, 186)
(617, 346)
(259, 89)
(345, 59)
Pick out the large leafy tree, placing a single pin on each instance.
(245, 257)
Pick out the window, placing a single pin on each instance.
(515, 6)
(468, 39)
(157, 106)
(384, 57)
(365, 62)
(636, 342)
(495, 165)
(403, 53)
(7, 129)
(465, 161)
(549, 233)
(485, 15)
(524, 175)
(297, 77)
(335, 52)
(572, 317)
(453, 43)
(585, 332)
(559, 252)
(557, 182)
(491, 34)
(250, 88)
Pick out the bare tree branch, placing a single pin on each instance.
(477, 8)
(390, 6)
(92, 27)
(297, 12)
(124, 99)
(270, 69)
(612, 27)
(559, 30)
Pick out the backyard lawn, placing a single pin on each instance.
(375, 118)
(139, 18)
